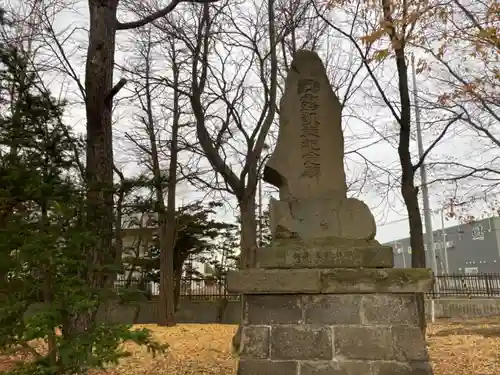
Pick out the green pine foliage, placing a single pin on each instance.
(44, 264)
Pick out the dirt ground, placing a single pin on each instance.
(456, 348)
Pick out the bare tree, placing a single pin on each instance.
(99, 92)
(235, 112)
(461, 56)
(221, 100)
(397, 25)
(156, 114)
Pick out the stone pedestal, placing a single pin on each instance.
(330, 307)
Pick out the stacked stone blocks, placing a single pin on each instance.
(330, 321)
(331, 334)
(324, 298)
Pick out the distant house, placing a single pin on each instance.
(469, 248)
(138, 233)
(203, 288)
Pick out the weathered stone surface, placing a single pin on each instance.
(278, 281)
(335, 368)
(389, 309)
(271, 309)
(395, 280)
(259, 281)
(310, 145)
(409, 344)
(255, 342)
(325, 253)
(364, 343)
(309, 151)
(319, 301)
(332, 309)
(301, 343)
(265, 367)
(399, 368)
(322, 217)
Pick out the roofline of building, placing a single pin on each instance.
(472, 223)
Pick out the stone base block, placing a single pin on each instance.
(325, 253)
(324, 281)
(269, 367)
(335, 216)
(350, 334)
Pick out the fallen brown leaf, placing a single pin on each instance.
(456, 348)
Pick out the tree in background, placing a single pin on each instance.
(157, 138)
(461, 57)
(200, 238)
(232, 117)
(389, 28)
(43, 232)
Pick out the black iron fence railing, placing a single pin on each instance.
(190, 288)
(453, 285)
(471, 285)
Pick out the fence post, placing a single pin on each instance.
(436, 287)
(488, 285)
(433, 311)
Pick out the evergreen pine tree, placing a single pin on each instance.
(44, 268)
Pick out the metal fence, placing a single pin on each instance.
(470, 286)
(190, 288)
(453, 285)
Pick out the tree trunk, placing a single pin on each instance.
(166, 214)
(408, 190)
(416, 241)
(99, 173)
(248, 240)
(248, 245)
(177, 288)
(166, 308)
(171, 224)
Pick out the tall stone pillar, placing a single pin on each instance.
(324, 298)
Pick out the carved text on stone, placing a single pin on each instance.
(309, 137)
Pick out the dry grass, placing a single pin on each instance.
(465, 348)
(456, 348)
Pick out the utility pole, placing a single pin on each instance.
(397, 245)
(261, 234)
(423, 174)
(403, 254)
(261, 207)
(443, 246)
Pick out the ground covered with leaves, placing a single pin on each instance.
(466, 347)
(456, 348)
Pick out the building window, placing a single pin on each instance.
(409, 249)
(471, 270)
(425, 247)
(437, 245)
(398, 249)
(478, 232)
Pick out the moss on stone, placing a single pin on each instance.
(380, 279)
(325, 257)
(384, 276)
(298, 243)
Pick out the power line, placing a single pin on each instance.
(392, 222)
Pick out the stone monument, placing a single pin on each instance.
(324, 298)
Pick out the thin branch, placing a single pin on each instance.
(436, 141)
(155, 15)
